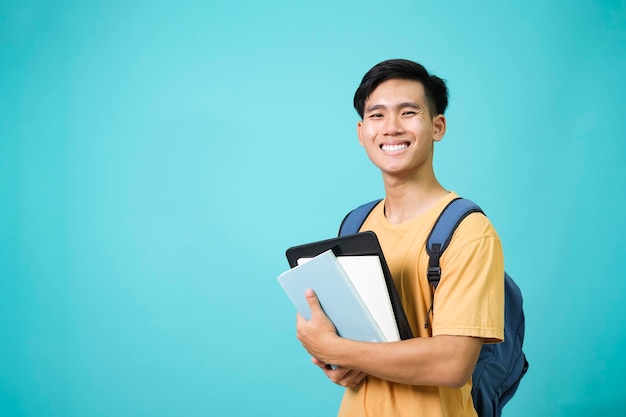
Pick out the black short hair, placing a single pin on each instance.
(435, 88)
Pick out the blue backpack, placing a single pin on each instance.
(500, 366)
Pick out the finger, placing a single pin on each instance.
(313, 302)
(351, 379)
(318, 362)
(322, 365)
(327, 367)
(358, 378)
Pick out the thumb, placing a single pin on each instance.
(313, 302)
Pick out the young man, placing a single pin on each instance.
(402, 109)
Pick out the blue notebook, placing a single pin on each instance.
(337, 296)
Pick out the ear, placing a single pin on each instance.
(359, 126)
(439, 127)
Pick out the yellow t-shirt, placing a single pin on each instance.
(469, 301)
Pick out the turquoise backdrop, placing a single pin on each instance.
(157, 158)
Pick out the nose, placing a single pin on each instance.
(393, 125)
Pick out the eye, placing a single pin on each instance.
(375, 116)
(409, 113)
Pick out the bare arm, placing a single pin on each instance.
(437, 361)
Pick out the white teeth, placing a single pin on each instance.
(394, 148)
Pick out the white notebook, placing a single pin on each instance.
(366, 275)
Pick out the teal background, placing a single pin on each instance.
(157, 158)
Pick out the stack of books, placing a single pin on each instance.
(352, 282)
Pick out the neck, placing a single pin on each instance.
(407, 199)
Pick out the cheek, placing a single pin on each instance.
(367, 134)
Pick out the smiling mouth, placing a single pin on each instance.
(394, 148)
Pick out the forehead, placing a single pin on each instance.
(397, 90)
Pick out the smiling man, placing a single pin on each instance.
(402, 110)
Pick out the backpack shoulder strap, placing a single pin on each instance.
(354, 220)
(441, 233)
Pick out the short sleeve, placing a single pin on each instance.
(469, 300)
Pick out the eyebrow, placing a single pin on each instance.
(410, 104)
